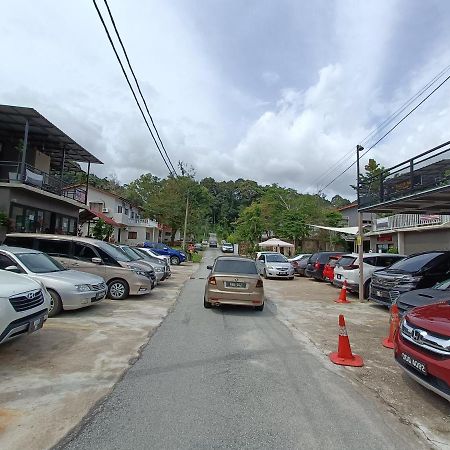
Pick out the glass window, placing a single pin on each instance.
(17, 219)
(276, 258)
(39, 262)
(443, 285)
(6, 261)
(235, 266)
(83, 251)
(416, 263)
(387, 261)
(130, 253)
(132, 235)
(19, 241)
(54, 247)
(346, 261)
(370, 260)
(119, 209)
(97, 206)
(112, 251)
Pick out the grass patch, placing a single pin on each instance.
(197, 257)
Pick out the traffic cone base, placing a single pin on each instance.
(344, 355)
(387, 343)
(343, 294)
(354, 361)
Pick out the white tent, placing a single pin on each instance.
(345, 230)
(274, 242)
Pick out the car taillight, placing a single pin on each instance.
(317, 265)
(212, 280)
(259, 283)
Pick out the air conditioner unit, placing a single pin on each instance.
(105, 210)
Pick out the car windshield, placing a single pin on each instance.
(134, 256)
(40, 263)
(442, 286)
(276, 258)
(114, 252)
(415, 263)
(235, 266)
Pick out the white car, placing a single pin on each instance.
(347, 268)
(150, 252)
(68, 289)
(24, 305)
(274, 265)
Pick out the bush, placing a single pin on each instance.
(393, 250)
(197, 257)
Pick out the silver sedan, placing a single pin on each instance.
(69, 289)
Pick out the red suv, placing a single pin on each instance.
(422, 347)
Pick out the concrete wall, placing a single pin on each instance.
(421, 241)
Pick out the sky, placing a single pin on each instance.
(274, 91)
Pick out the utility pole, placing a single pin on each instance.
(185, 222)
(360, 238)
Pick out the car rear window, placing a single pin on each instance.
(235, 266)
(346, 261)
(416, 263)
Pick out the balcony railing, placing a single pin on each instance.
(399, 221)
(427, 171)
(13, 172)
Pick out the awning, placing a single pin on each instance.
(88, 214)
(345, 230)
(274, 242)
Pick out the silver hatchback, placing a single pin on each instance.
(275, 265)
(68, 289)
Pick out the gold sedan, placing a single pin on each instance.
(234, 281)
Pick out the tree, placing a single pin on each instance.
(294, 226)
(101, 230)
(250, 225)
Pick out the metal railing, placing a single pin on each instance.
(399, 221)
(429, 170)
(14, 172)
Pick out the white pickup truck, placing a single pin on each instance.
(24, 305)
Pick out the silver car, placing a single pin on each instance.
(69, 289)
(275, 265)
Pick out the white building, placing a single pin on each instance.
(129, 225)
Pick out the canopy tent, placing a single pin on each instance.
(345, 230)
(274, 242)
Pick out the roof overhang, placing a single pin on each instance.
(88, 214)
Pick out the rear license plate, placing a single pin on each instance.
(36, 324)
(415, 363)
(282, 273)
(235, 284)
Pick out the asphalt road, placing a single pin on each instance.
(233, 378)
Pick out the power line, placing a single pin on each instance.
(383, 124)
(387, 133)
(137, 84)
(130, 86)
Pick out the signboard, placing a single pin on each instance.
(385, 238)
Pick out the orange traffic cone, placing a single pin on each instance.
(344, 355)
(388, 342)
(343, 295)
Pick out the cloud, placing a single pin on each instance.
(270, 78)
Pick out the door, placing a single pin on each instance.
(162, 249)
(83, 254)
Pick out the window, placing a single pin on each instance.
(54, 247)
(119, 209)
(147, 236)
(235, 266)
(132, 235)
(371, 261)
(19, 241)
(5, 262)
(275, 258)
(83, 252)
(126, 211)
(96, 206)
(416, 263)
(40, 263)
(387, 261)
(132, 214)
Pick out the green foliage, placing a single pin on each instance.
(250, 224)
(393, 250)
(101, 230)
(197, 257)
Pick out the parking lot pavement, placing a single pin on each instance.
(51, 379)
(307, 307)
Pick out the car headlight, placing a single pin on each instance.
(137, 270)
(408, 282)
(271, 267)
(159, 269)
(83, 287)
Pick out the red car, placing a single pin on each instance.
(422, 347)
(328, 270)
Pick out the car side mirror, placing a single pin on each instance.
(13, 269)
(209, 267)
(96, 260)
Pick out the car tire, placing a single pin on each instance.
(265, 274)
(291, 278)
(260, 307)
(118, 289)
(174, 260)
(206, 304)
(367, 288)
(56, 305)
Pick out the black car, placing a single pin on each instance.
(421, 297)
(300, 265)
(418, 271)
(316, 264)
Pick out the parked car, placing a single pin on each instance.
(151, 252)
(68, 289)
(154, 258)
(24, 305)
(300, 265)
(418, 271)
(328, 270)
(198, 247)
(227, 248)
(347, 268)
(176, 256)
(122, 276)
(204, 243)
(275, 265)
(213, 243)
(234, 280)
(258, 254)
(422, 347)
(135, 256)
(316, 264)
(422, 297)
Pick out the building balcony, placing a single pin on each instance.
(25, 174)
(404, 221)
(128, 221)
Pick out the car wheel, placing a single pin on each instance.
(366, 288)
(259, 308)
(118, 289)
(56, 305)
(206, 304)
(174, 260)
(265, 274)
(291, 278)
